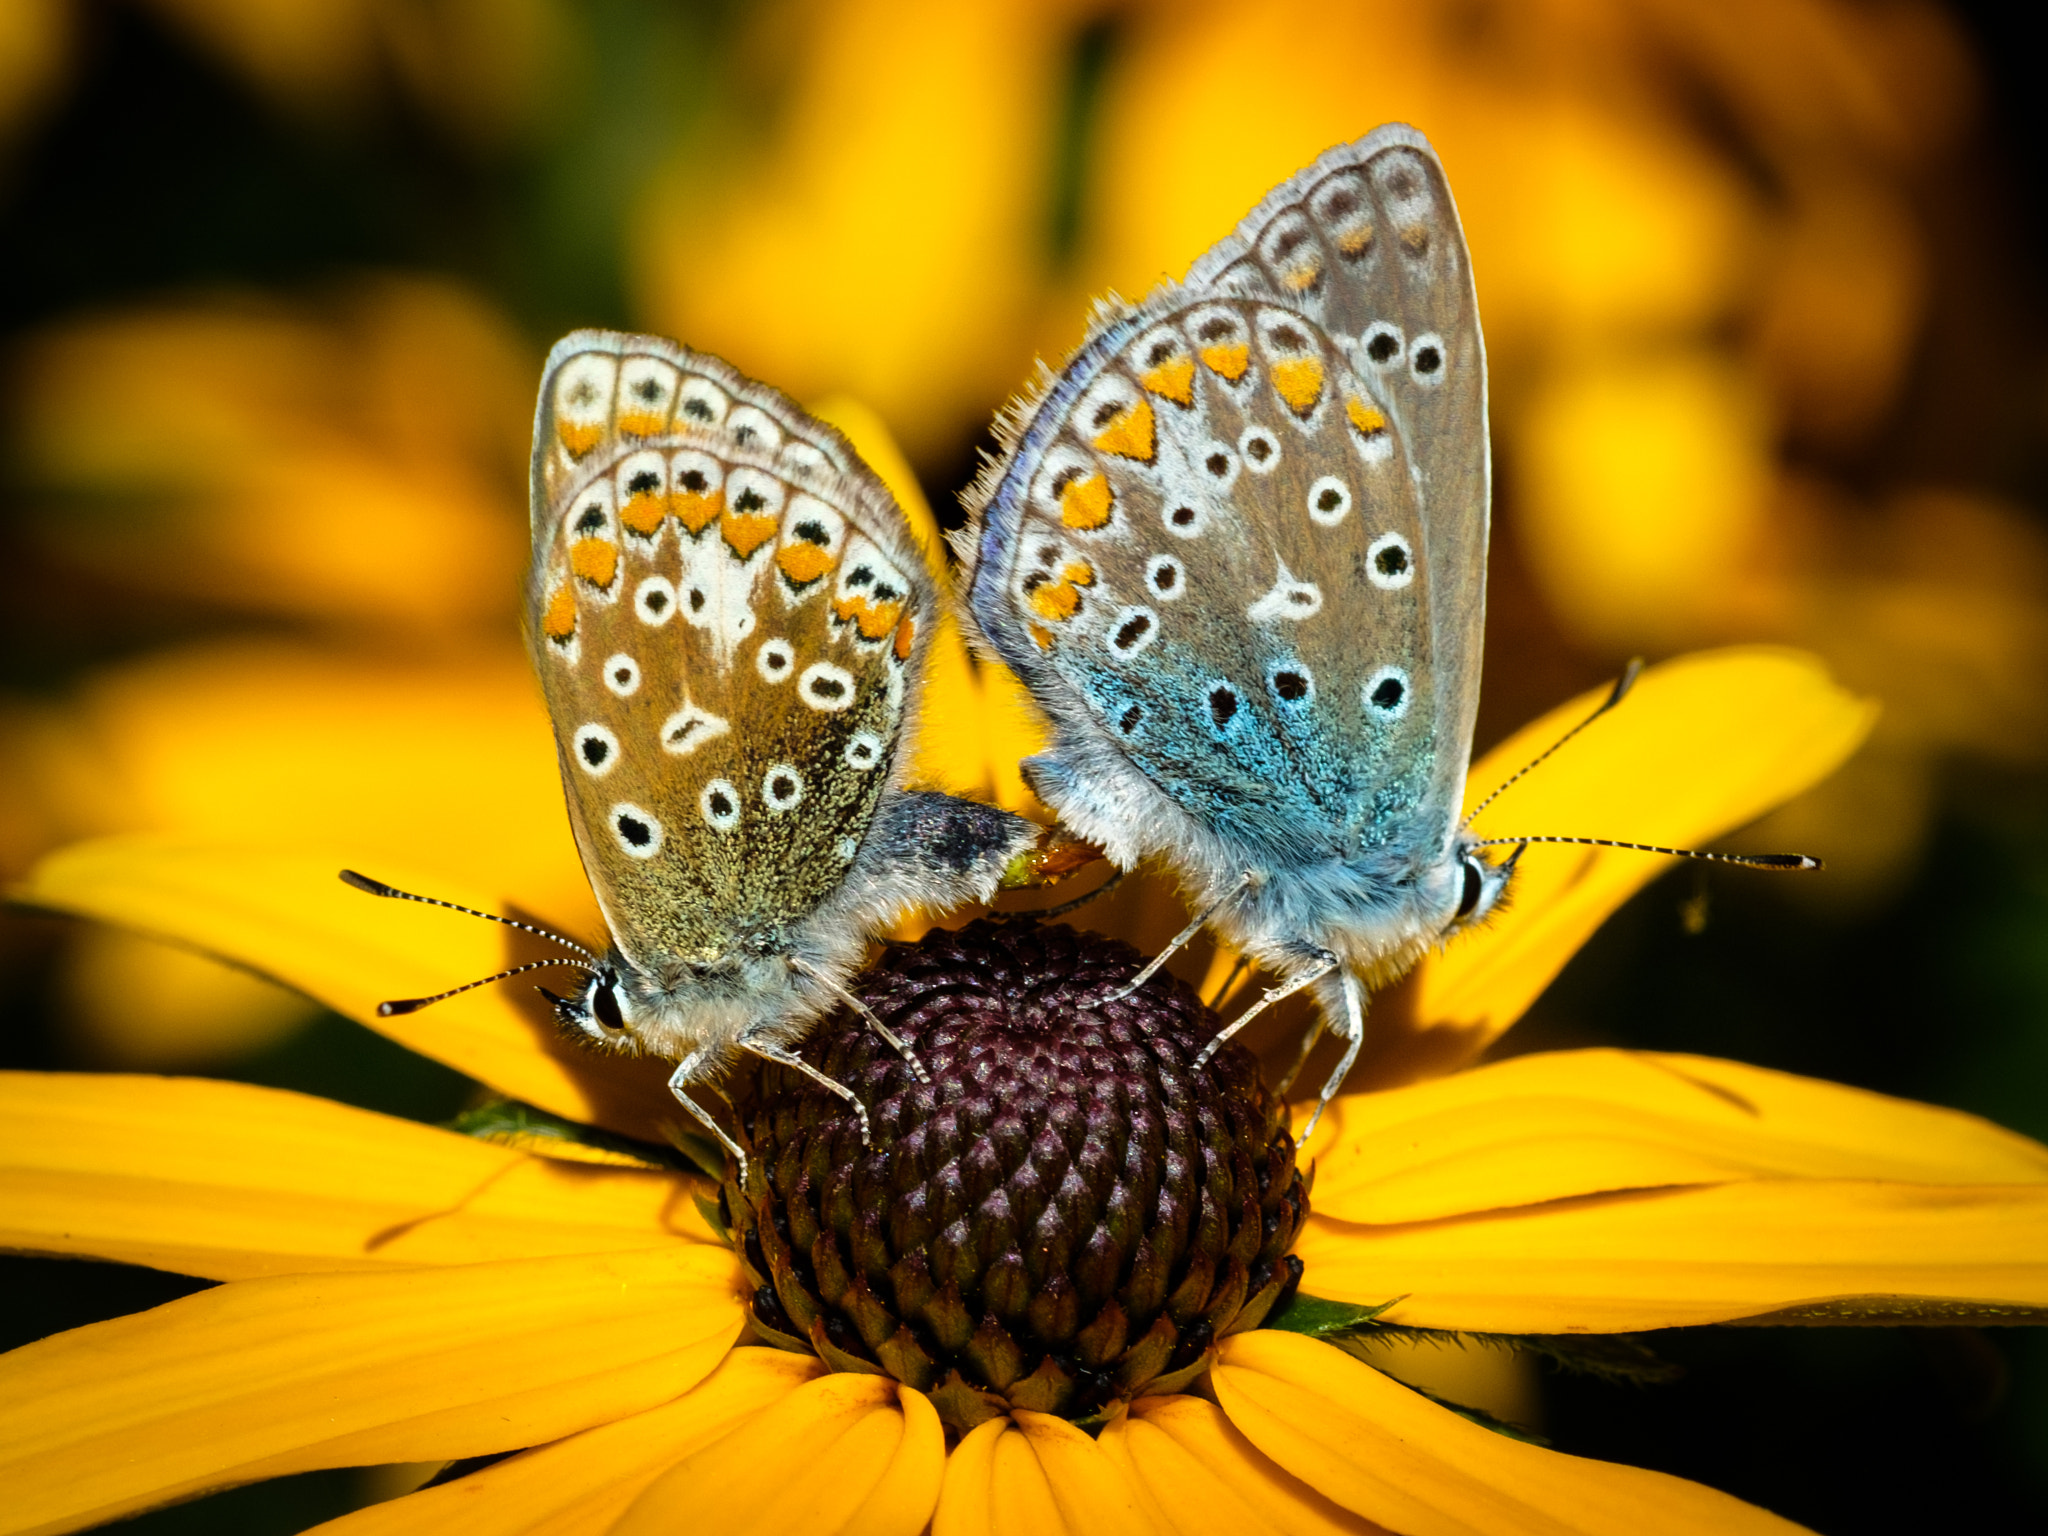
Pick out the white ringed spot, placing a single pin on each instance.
(596, 750)
(1166, 578)
(824, 686)
(1329, 501)
(637, 832)
(1426, 360)
(655, 600)
(1390, 562)
(1131, 631)
(689, 728)
(1260, 450)
(719, 803)
(1382, 344)
(1386, 693)
(864, 751)
(775, 661)
(622, 675)
(782, 788)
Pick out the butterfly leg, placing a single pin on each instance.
(1180, 941)
(1286, 989)
(1354, 1037)
(896, 1041)
(678, 1084)
(1309, 1037)
(782, 1056)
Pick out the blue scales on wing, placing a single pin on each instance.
(1210, 542)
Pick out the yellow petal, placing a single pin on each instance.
(259, 1378)
(580, 1486)
(1375, 1447)
(1037, 1476)
(842, 1454)
(1200, 1475)
(1560, 1123)
(1703, 745)
(1671, 1258)
(287, 915)
(232, 1181)
(143, 1005)
(445, 763)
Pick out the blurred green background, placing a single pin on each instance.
(1763, 290)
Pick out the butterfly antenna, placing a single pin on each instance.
(379, 888)
(1742, 860)
(415, 1004)
(1622, 684)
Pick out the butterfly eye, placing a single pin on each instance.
(1475, 887)
(604, 1004)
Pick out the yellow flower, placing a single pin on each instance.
(401, 1293)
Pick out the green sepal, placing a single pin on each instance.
(507, 1120)
(1321, 1319)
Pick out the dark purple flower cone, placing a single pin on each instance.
(1067, 1216)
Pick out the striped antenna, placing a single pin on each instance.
(1622, 684)
(415, 1004)
(379, 888)
(1743, 860)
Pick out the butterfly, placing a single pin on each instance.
(729, 616)
(1236, 551)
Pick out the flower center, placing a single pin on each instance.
(1068, 1215)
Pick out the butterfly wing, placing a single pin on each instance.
(1367, 242)
(726, 613)
(1224, 544)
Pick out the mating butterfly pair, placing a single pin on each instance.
(1236, 551)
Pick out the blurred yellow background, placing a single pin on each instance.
(1762, 290)
(1736, 396)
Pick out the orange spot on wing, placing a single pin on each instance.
(1352, 242)
(874, 620)
(803, 562)
(1055, 600)
(696, 510)
(746, 532)
(1300, 279)
(643, 513)
(1174, 379)
(1416, 238)
(595, 560)
(579, 437)
(1130, 435)
(1364, 417)
(1042, 636)
(906, 635)
(1086, 503)
(559, 622)
(1231, 362)
(1079, 573)
(643, 423)
(1299, 381)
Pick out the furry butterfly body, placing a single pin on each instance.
(729, 618)
(1236, 551)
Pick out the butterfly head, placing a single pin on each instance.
(691, 1004)
(1480, 886)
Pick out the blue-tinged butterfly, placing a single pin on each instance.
(1236, 550)
(729, 615)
